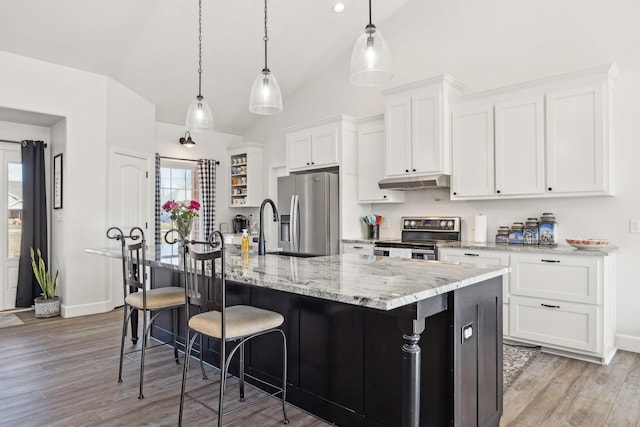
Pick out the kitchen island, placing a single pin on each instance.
(374, 340)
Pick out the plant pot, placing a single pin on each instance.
(47, 307)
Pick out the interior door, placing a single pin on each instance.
(10, 223)
(129, 207)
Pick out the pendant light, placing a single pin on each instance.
(199, 117)
(371, 58)
(265, 97)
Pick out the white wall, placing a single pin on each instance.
(209, 145)
(494, 43)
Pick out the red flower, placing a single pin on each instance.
(194, 205)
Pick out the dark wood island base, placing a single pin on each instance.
(434, 362)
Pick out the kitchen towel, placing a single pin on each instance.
(480, 229)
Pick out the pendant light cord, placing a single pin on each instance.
(266, 37)
(370, 23)
(199, 49)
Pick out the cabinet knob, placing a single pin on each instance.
(307, 163)
(550, 189)
(498, 191)
(313, 163)
(406, 170)
(413, 170)
(384, 197)
(455, 194)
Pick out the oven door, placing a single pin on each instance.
(405, 252)
(428, 254)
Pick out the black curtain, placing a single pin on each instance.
(34, 222)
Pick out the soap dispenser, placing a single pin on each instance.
(245, 241)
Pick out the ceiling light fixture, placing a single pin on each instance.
(187, 141)
(338, 6)
(199, 116)
(265, 97)
(371, 58)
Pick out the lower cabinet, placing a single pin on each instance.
(357, 248)
(562, 302)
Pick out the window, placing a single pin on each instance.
(14, 208)
(178, 181)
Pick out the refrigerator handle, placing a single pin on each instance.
(295, 223)
(292, 222)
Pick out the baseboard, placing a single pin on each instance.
(85, 309)
(628, 343)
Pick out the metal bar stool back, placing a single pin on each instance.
(138, 298)
(231, 326)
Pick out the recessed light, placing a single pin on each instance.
(338, 5)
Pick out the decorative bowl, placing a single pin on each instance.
(587, 243)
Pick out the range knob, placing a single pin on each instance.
(450, 225)
(443, 224)
(413, 223)
(406, 223)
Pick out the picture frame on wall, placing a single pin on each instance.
(57, 181)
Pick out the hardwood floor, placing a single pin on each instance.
(556, 391)
(62, 372)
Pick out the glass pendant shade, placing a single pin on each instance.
(199, 116)
(265, 95)
(371, 59)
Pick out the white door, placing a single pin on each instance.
(397, 116)
(129, 207)
(10, 223)
(426, 131)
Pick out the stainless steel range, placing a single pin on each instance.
(420, 237)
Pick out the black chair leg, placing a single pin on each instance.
(175, 335)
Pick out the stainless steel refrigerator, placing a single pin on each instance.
(309, 213)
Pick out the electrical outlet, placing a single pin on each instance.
(467, 332)
(634, 226)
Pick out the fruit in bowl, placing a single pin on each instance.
(587, 243)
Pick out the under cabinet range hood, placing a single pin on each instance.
(415, 182)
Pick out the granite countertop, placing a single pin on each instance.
(359, 240)
(557, 250)
(382, 283)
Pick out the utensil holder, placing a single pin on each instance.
(373, 231)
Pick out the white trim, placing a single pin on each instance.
(628, 343)
(85, 309)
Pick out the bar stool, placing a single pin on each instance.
(233, 325)
(138, 299)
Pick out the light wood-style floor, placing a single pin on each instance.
(63, 372)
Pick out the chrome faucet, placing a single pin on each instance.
(275, 218)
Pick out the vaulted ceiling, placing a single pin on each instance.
(151, 47)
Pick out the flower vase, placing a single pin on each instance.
(184, 227)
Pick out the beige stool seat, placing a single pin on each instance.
(170, 296)
(241, 321)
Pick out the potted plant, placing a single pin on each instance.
(47, 305)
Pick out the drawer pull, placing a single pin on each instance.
(550, 306)
(358, 247)
(472, 254)
(550, 260)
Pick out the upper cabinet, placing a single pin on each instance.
(246, 175)
(546, 138)
(417, 127)
(371, 163)
(316, 145)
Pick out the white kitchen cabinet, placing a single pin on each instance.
(577, 142)
(473, 150)
(417, 121)
(246, 175)
(545, 138)
(371, 163)
(483, 257)
(313, 147)
(565, 303)
(359, 248)
(519, 146)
